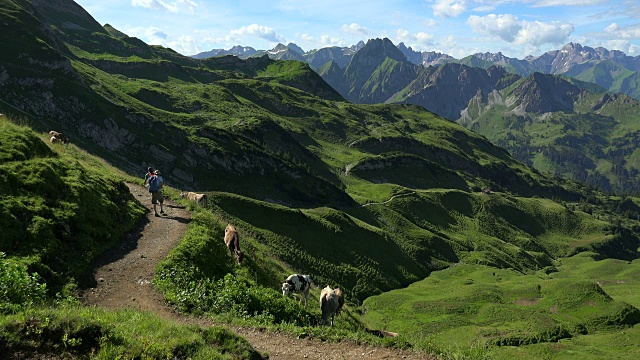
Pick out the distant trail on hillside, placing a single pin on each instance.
(389, 200)
(122, 277)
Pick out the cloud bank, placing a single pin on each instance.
(512, 30)
(177, 6)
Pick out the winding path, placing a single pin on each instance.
(122, 279)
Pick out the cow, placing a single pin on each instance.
(232, 239)
(299, 284)
(200, 199)
(329, 304)
(54, 140)
(58, 136)
(340, 296)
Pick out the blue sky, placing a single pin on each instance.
(455, 27)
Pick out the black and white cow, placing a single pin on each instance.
(299, 284)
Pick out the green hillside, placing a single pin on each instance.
(567, 128)
(370, 198)
(57, 214)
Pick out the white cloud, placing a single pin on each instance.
(546, 3)
(175, 6)
(623, 32)
(429, 22)
(420, 38)
(452, 46)
(505, 26)
(155, 36)
(448, 8)
(484, 8)
(307, 37)
(512, 30)
(355, 29)
(538, 33)
(256, 30)
(329, 41)
(623, 45)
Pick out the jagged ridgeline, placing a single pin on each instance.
(575, 116)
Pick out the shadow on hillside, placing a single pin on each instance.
(118, 252)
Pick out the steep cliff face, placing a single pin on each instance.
(376, 72)
(339, 55)
(447, 90)
(542, 93)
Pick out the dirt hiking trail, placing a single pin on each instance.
(122, 279)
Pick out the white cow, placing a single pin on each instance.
(299, 284)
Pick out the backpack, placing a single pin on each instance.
(154, 183)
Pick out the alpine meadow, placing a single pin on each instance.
(451, 237)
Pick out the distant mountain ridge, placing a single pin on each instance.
(498, 102)
(611, 69)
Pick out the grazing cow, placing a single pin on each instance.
(54, 140)
(58, 136)
(200, 199)
(340, 300)
(328, 304)
(299, 284)
(232, 240)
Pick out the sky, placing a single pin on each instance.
(455, 27)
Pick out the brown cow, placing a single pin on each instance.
(58, 136)
(200, 199)
(232, 240)
(328, 305)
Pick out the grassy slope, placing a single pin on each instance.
(53, 208)
(60, 208)
(579, 308)
(81, 332)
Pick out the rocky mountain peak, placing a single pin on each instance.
(542, 93)
(358, 46)
(411, 55)
(279, 47)
(295, 48)
(379, 49)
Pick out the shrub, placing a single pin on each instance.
(18, 288)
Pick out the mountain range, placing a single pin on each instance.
(610, 69)
(498, 96)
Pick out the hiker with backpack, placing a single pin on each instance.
(155, 182)
(146, 177)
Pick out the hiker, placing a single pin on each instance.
(147, 176)
(155, 182)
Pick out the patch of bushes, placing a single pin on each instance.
(19, 290)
